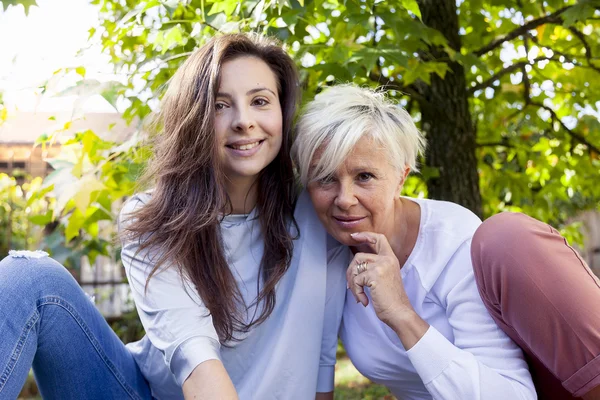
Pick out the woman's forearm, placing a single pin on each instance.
(410, 328)
(208, 381)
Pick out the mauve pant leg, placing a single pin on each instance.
(543, 295)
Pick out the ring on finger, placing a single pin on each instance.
(361, 267)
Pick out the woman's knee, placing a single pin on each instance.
(26, 272)
(504, 232)
(499, 248)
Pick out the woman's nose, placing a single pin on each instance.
(345, 197)
(243, 120)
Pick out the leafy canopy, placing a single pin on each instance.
(530, 70)
(530, 67)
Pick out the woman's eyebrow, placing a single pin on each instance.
(259, 89)
(248, 93)
(363, 168)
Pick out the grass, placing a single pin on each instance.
(351, 385)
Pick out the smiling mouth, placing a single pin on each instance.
(246, 146)
(348, 219)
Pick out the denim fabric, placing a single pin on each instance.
(48, 322)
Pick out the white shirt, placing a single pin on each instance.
(463, 355)
(289, 356)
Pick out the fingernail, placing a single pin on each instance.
(353, 234)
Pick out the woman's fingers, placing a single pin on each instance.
(357, 288)
(357, 276)
(377, 242)
(380, 273)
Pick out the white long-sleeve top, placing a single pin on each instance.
(463, 355)
(289, 356)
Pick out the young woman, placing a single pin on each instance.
(233, 294)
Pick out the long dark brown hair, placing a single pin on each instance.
(189, 199)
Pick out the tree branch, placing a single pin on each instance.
(554, 17)
(576, 63)
(391, 85)
(519, 65)
(505, 71)
(586, 46)
(569, 58)
(526, 82)
(575, 135)
(503, 143)
(375, 42)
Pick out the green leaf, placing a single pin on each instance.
(416, 71)
(579, 12)
(412, 6)
(224, 6)
(173, 37)
(83, 195)
(439, 68)
(41, 219)
(76, 221)
(27, 4)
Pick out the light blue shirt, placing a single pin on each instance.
(289, 356)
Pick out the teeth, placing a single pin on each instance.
(246, 146)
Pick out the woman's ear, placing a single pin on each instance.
(403, 179)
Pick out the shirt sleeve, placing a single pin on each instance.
(174, 317)
(483, 362)
(337, 262)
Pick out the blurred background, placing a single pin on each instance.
(504, 90)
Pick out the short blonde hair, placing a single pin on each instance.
(339, 117)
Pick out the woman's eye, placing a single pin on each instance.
(260, 102)
(326, 180)
(365, 177)
(219, 106)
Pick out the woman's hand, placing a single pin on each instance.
(378, 270)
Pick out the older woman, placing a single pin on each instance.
(413, 320)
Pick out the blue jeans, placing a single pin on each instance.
(48, 322)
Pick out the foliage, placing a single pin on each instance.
(128, 327)
(530, 68)
(20, 206)
(25, 3)
(91, 178)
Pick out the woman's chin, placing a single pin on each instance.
(344, 238)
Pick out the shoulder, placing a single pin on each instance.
(307, 220)
(444, 240)
(133, 204)
(446, 221)
(304, 207)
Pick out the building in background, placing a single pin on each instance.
(20, 131)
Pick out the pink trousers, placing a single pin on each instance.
(543, 295)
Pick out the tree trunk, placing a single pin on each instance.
(446, 119)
